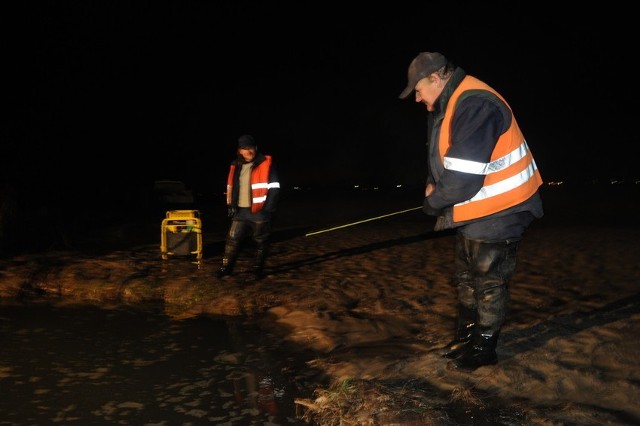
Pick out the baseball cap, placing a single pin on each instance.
(246, 141)
(424, 64)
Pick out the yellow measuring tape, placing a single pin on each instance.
(361, 221)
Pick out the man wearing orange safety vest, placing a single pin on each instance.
(482, 181)
(252, 195)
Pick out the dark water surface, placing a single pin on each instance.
(87, 365)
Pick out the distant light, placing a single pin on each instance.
(555, 183)
(399, 185)
(356, 186)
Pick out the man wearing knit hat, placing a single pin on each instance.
(252, 195)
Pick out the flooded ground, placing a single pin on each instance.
(87, 365)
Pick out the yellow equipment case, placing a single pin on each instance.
(181, 234)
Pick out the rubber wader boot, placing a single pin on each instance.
(261, 233)
(465, 284)
(228, 260)
(465, 324)
(482, 350)
(492, 265)
(258, 266)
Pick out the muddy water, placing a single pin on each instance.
(87, 365)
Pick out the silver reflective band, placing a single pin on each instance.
(265, 185)
(476, 168)
(504, 185)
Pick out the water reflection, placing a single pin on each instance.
(88, 365)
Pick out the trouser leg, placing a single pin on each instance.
(261, 233)
(232, 247)
(467, 313)
(492, 266)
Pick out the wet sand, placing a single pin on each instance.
(375, 303)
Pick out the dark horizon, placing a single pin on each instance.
(114, 94)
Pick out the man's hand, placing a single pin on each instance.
(231, 212)
(429, 189)
(425, 204)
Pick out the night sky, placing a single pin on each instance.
(109, 95)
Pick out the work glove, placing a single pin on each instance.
(441, 224)
(231, 212)
(444, 220)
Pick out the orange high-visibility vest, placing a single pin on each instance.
(511, 176)
(259, 184)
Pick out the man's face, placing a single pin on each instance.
(248, 154)
(427, 91)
